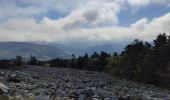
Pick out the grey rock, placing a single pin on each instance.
(136, 97)
(41, 98)
(91, 92)
(13, 78)
(64, 84)
(3, 89)
(81, 97)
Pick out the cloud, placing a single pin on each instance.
(52, 31)
(93, 15)
(105, 13)
(147, 2)
(11, 10)
(90, 21)
(141, 24)
(106, 10)
(32, 8)
(139, 2)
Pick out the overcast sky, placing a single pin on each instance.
(83, 21)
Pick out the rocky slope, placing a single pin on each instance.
(38, 83)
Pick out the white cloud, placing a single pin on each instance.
(141, 24)
(105, 13)
(10, 10)
(52, 31)
(147, 2)
(106, 10)
(94, 14)
(30, 8)
(90, 14)
(139, 2)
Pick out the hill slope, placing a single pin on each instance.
(12, 49)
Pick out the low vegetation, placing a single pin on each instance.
(140, 61)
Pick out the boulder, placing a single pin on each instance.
(3, 89)
(14, 78)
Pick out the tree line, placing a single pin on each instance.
(139, 61)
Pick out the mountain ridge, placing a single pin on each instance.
(10, 50)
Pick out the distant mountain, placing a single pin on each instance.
(110, 48)
(10, 50)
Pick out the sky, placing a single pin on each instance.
(83, 22)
